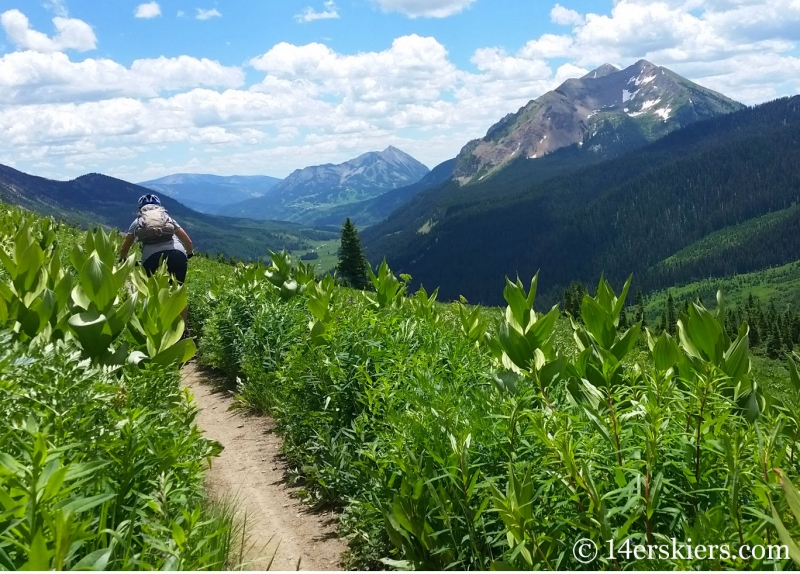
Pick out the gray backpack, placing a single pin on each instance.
(154, 225)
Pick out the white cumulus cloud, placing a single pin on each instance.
(203, 14)
(33, 77)
(148, 10)
(313, 104)
(310, 15)
(565, 16)
(425, 8)
(71, 33)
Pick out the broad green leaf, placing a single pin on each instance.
(92, 331)
(178, 535)
(736, 361)
(38, 554)
(621, 348)
(515, 346)
(665, 352)
(97, 281)
(598, 322)
(171, 304)
(84, 504)
(96, 561)
(542, 330)
(171, 335)
(514, 294)
(791, 494)
(620, 304)
(119, 317)
(178, 353)
(794, 376)
(786, 538)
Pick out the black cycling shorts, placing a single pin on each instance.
(177, 263)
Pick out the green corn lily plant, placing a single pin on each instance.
(597, 372)
(389, 290)
(101, 307)
(32, 302)
(424, 306)
(280, 274)
(472, 324)
(320, 295)
(157, 324)
(523, 344)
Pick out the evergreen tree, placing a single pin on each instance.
(352, 264)
(672, 318)
(774, 345)
(640, 313)
(755, 334)
(796, 329)
(623, 320)
(573, 299)
(664, 323)
(786, 331)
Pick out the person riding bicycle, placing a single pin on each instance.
(162, 239)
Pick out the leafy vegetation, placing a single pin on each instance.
(461, 438)
(101, 463)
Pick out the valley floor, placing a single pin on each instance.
(251, 468)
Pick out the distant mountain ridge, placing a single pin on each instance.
(608, 111)
(311, 190)
(372, 211)
(209, 193)
(96, 199)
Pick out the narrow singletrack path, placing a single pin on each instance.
(251, 468)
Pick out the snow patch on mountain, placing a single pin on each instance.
(663, 112)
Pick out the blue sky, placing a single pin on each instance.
(140, 90)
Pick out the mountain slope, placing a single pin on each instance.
(608, 112)
(208, 193)
(311, 190)
(372, 211)
(96, 199)
(619, 216)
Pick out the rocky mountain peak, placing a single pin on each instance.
(603, 70)
(605, 111)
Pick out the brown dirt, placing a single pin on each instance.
(252, 469)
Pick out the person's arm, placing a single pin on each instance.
(185, 239)
(126, 246)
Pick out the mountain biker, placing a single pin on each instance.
(162, 239)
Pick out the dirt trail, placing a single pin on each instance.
(252, 468)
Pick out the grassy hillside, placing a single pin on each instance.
(778, 285)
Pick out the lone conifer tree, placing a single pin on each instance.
(352, 263)
(640, 314)
(672, 318)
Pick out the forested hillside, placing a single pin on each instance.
(620, 216)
